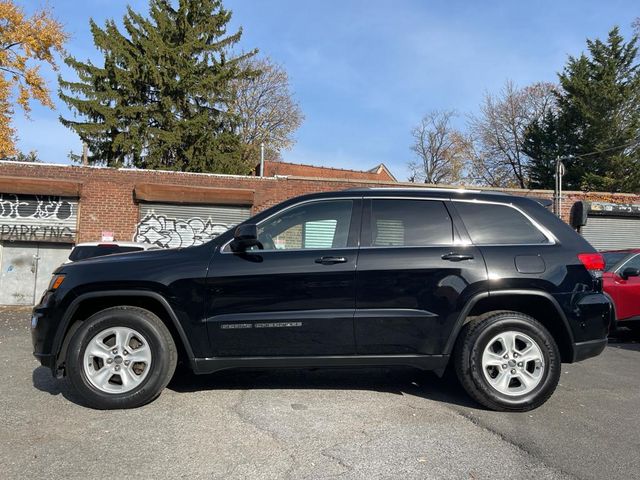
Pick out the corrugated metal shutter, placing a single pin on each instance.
(319, 234)
(38, 218)
(171, 226)
(389, 232)
(611, 233)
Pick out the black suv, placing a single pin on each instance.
(413, 277)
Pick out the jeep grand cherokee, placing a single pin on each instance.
(493, 284)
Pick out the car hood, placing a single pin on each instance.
(124, 260)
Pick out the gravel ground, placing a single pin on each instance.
(315, 424)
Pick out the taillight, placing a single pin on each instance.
(594, 262)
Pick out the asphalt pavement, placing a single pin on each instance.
(318, 424)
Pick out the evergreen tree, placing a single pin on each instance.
(160, 99)
(598, 124)
(541, 144)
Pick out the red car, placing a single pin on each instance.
(621, 281)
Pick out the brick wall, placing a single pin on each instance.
(107, 201)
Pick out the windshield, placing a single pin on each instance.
(80, 253)
(611, 259)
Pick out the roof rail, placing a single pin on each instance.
(426, 189)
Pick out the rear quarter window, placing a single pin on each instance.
(493, 224)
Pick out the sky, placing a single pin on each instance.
(365, 72)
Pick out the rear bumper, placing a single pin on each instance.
(588, 315)
(591, 348)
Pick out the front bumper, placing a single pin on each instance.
(47, 360)
(43, 331)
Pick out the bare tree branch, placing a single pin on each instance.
(439, 149)
(497, 133)
(265, 109)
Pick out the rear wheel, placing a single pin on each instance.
(121, 357)
(507, 361)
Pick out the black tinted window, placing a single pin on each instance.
(410, 223)
(497, 224)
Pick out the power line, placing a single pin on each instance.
(634, 142)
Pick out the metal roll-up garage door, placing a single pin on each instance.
(612, 233)
(170, 225)
(37, 233)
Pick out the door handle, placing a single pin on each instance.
(457, 257)
(331, 260)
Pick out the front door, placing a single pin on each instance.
(413, 277)
(296, 295)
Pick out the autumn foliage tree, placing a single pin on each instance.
(25, 43)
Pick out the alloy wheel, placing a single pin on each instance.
(117, 360)
(513, 363)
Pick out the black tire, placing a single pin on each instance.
(471, 343)
(163, 354)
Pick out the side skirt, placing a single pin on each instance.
(422, 362)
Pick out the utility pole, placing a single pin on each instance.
(262, 159)
(85, 154)
(557, 192)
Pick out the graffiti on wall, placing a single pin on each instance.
(37, 218)
(168, 232)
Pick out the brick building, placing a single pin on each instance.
(45, 209)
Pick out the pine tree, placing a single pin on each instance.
(542, 145)
(159, 101)
(599, 116)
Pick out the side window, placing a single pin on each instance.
(410, 223)
(320, 225)
(497, 224)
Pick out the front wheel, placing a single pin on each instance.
(507, 361)
(121, 357)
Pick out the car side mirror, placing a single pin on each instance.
(245, 237)
(630, 272)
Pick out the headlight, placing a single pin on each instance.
(55, 282)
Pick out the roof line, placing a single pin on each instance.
(373, 170)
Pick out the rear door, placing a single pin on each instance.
(414, 275)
